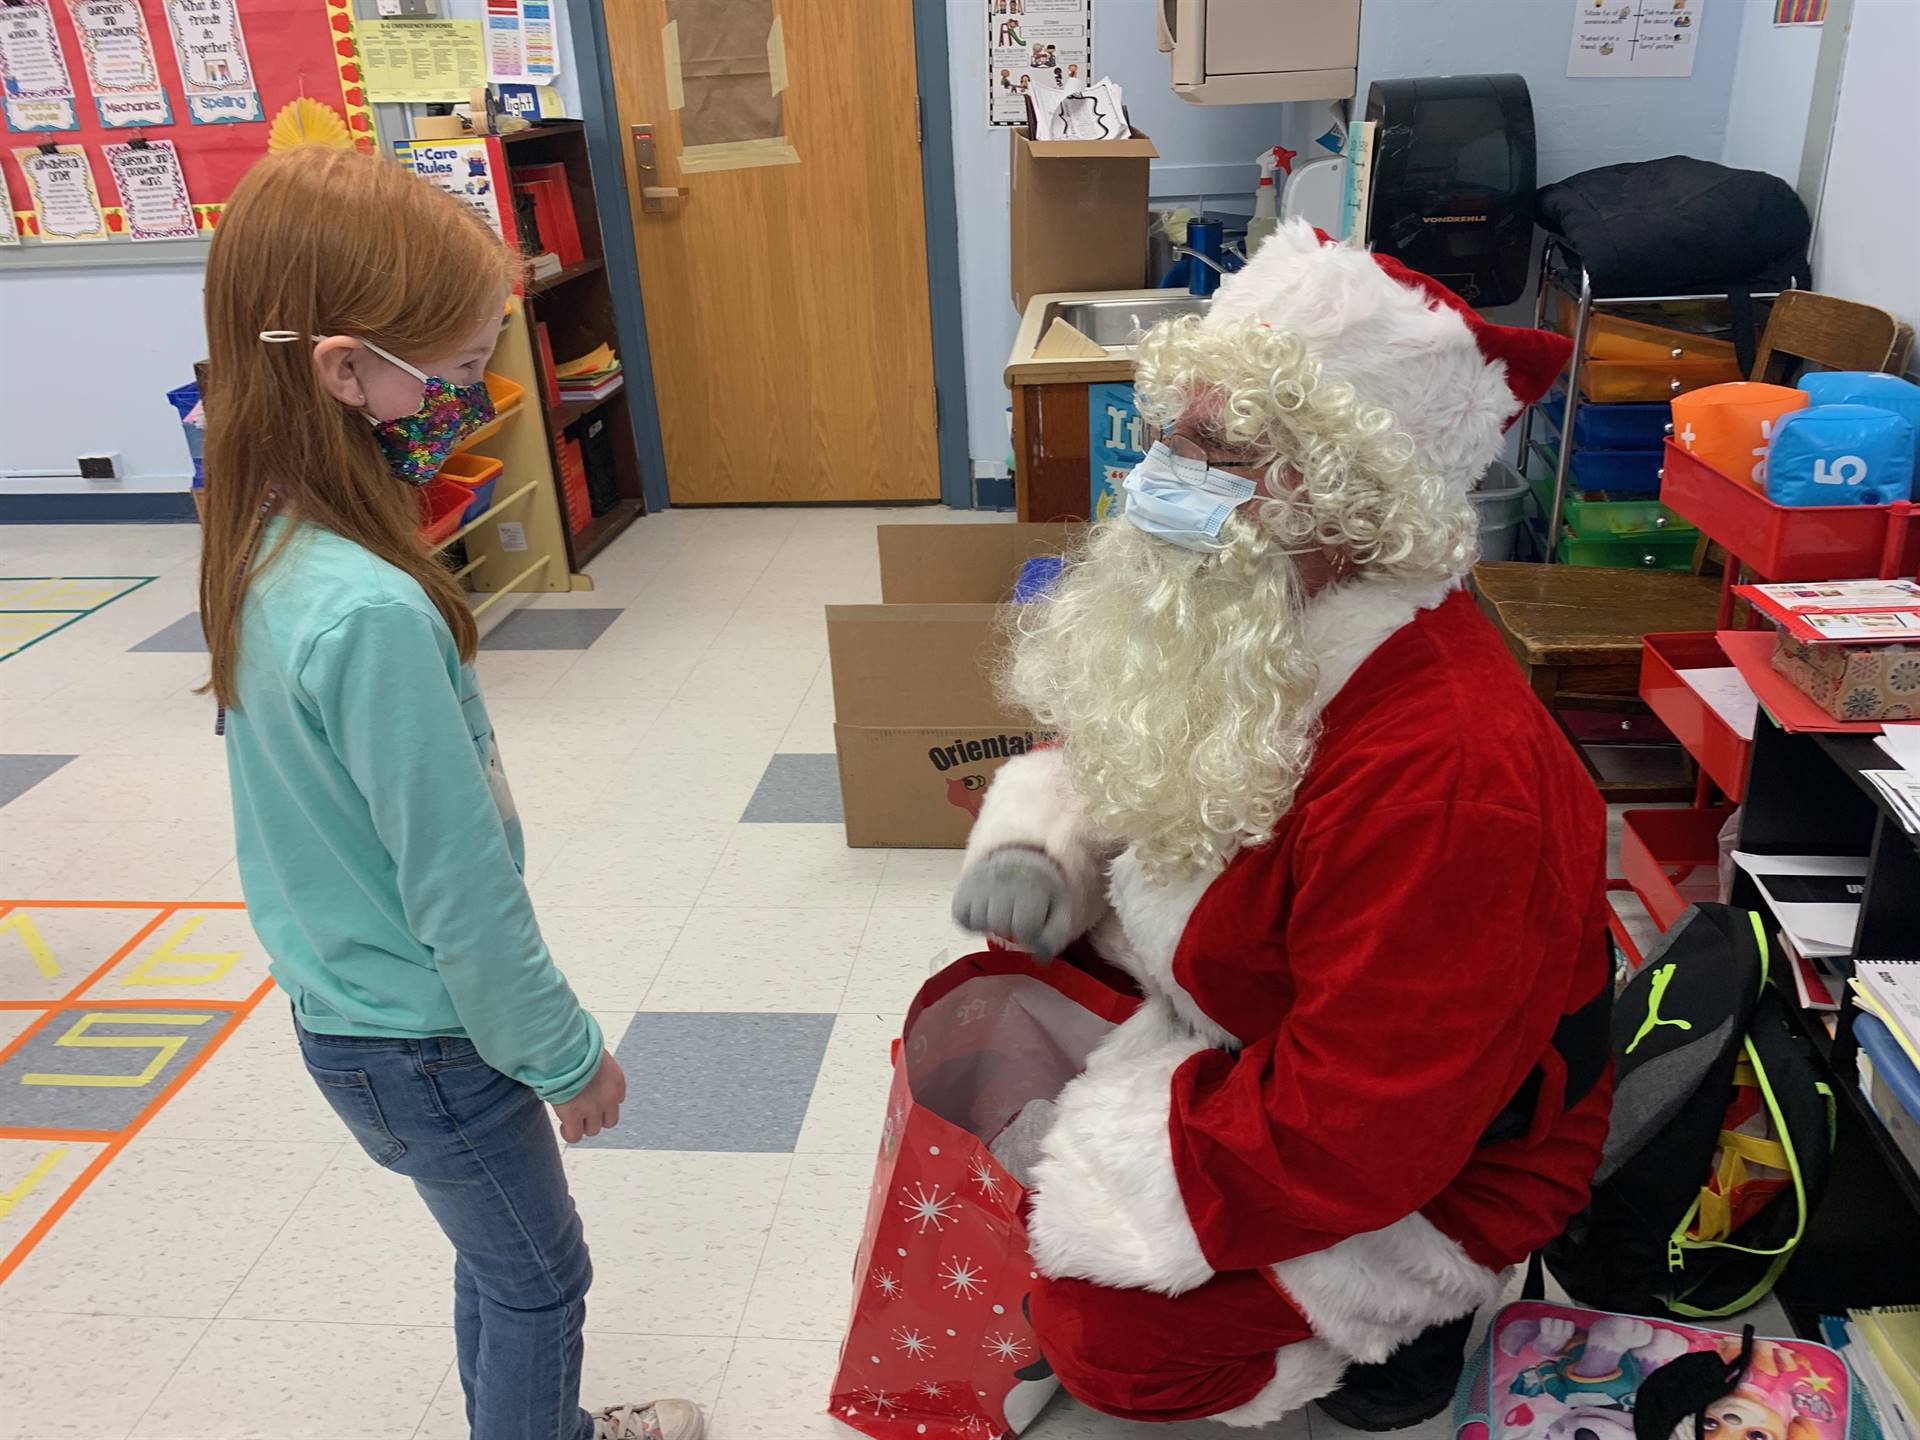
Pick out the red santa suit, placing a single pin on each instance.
(1281, 1165)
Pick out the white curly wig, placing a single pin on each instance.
(1182, 681)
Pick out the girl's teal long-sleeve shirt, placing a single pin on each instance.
(379, 850)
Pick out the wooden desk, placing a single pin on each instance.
(1576, 632)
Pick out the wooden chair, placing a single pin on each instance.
(1576, 630)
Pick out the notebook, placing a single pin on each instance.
(1890, 990)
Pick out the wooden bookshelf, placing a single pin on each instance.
(576, 307)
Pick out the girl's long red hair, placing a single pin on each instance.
(324, 241)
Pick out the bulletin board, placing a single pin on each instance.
(304, 71)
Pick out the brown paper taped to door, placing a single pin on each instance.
(726, 66)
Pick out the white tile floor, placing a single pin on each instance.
(241, 1270)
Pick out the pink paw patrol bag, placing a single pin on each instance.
(1558, 1372)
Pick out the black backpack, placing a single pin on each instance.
(1722, 1133)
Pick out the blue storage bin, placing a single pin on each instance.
(1624, 472)
(186, 404)
(1611, 427)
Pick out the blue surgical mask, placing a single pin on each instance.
(1183, 500)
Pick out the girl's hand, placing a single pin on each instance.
(597, 1107)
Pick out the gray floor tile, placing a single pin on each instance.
(20, 773)
(537, 629)
(97, 1070)
(182, 637)
(701, 1081)
(797, 790)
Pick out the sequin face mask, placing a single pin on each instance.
(417, 445)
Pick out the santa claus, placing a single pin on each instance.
(1305, 798)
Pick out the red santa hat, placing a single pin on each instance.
(1452, 380)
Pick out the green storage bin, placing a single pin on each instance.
(1663, 551)
(1592, 516)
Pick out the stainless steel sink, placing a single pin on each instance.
(1119, 323)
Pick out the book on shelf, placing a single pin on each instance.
(1817, 988)
(552, 196)
(600, 390)
(1890, 990)
(1830, 611)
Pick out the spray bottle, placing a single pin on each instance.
(1266, 216)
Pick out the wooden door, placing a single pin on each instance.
(787, 307)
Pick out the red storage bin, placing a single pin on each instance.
(442, 504)
(1791, 542)
(1720, 749)
(1672, 858)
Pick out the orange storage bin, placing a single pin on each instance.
(1646, 334)
(504, 393)
(1728, 426)
(1640, 381)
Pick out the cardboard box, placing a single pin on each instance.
(1078, 215)
(1853, 682)
(917, 725)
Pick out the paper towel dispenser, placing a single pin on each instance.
(1250, 52)
(1453, 180)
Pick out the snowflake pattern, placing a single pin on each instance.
(932, 1389)
(928, 1206)
(890, 1132)
(912, 1344)
(880, 1400)
(1860, 704)
(984, 1177)
(976, 1426)
(964, 1278)
(888, 1284)
(1006, 1347)
(1903, 676)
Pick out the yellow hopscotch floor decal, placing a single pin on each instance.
(107, 1008)
(32, 607)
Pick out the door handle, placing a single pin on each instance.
(646, 164)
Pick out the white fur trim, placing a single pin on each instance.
(1346, 624)
(1031, 802)
(1365, 329)
(1370, 1294)
(1302, 1373)
(1152, 917)
(1106, 1202)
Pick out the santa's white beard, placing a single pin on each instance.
(1181, 685)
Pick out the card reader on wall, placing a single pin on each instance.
(1453, 181)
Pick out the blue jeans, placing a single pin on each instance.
(480, 1150)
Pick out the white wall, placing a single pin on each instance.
(1870, 206)
(1580, 124)
(1772, 84)
(110, 342)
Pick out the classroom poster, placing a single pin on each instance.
(1034, 42)
(153, 192)
(121, 68)
(65, 202)
(33, 68)
(414, 61)
(464, 169)
(214, 65)
(1117, 437)
(505, 60)
(539, 42)
(1621, 38)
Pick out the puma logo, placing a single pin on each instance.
(1662, 978)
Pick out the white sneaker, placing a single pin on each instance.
(654, 1420)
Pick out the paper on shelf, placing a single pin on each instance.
(1891, 990)
(1816, 898)
(1902, 790)
(1727, 691)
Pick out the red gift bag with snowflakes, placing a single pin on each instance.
(939, 1345)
